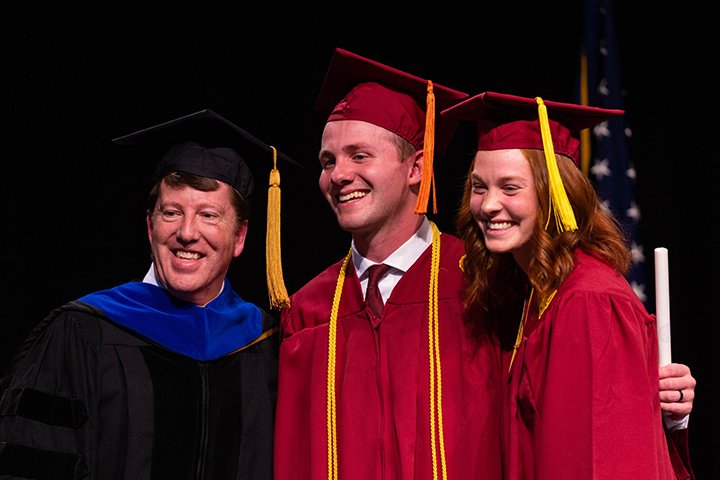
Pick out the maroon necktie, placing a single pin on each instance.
(372, 295)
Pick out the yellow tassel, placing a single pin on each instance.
(559, 202)
(277, 292)
(428, 175)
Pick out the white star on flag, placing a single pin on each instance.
(601, 168)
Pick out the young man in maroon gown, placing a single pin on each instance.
(413, 392)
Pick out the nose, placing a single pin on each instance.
(187, 231)
(342, 172)
(491, 201)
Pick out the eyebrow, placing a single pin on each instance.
(347, 149)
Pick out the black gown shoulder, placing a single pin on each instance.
(85, 398)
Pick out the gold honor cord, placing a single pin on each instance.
(523, 321)
(434, 355)
(521, 327)
(435, 365)
(331, 424)
(559, 202)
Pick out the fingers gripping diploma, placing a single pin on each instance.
(674, 379)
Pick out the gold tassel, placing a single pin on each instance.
(559, 202)
(428, 175)
(277, 292)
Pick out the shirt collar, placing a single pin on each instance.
(152, 279)
(404, 257)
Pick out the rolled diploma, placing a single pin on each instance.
(662, 305)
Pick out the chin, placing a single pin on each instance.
(184, 291)
(496, 247)
(350, 225)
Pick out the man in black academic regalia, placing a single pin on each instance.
(171, 377)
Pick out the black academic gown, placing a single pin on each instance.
(85, 397)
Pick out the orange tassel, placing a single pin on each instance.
(428, 175)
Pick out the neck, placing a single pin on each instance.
(380, 244)
(200, 299)
(523, 258)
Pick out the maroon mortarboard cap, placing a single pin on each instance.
(508, 121)
(358, 88)
(206, 144)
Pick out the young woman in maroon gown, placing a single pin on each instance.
(581, 398)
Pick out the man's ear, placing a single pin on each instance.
(149, 223)
(416, 168)
(240, 236)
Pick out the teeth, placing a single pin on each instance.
(188, 255)
(350, 196)
(498, 225)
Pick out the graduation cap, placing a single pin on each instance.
(358, 88)
(508, 122)
(205, 144)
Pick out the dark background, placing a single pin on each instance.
(73, 205)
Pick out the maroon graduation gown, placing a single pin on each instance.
(382, 381)
(582, 399)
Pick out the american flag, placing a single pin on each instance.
(606, 157)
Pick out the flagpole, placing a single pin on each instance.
(662, 305)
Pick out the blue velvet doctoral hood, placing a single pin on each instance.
(203, 333)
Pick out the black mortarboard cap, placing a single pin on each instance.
(205, 144)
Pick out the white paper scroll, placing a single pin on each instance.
(662, 305)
